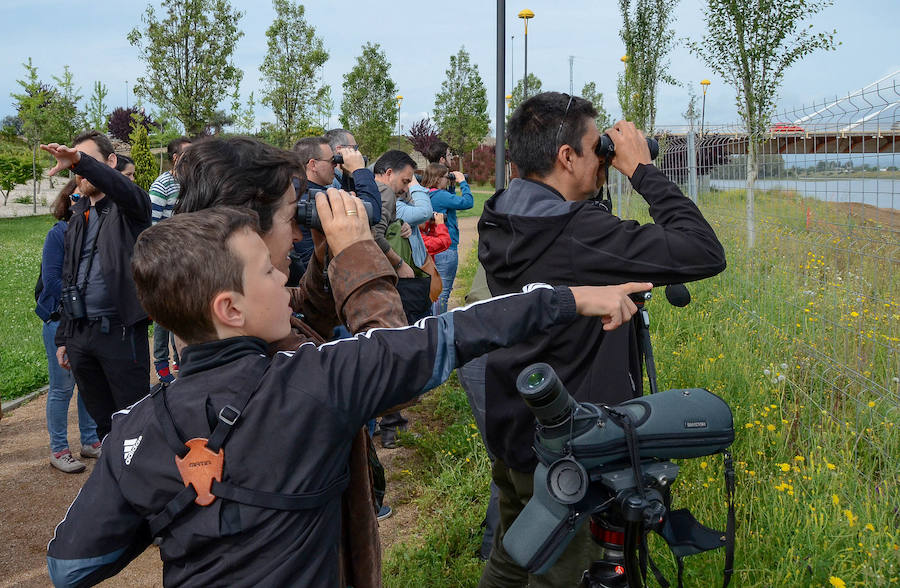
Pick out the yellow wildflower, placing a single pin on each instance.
(837, 582)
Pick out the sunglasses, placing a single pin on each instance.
(563, 121)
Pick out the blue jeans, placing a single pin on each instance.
(161, 340)
(446, 263)
(62, 382)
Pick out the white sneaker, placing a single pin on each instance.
(91, 451)
(64, 462)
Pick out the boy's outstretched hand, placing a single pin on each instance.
(610, 303)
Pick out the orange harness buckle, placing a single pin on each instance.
(199, 468)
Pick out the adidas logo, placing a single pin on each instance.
(131, 446)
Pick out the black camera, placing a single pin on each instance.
(308, 215)
(607, 149)
(338, 159)
(73, 303)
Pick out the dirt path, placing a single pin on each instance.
(34, 496)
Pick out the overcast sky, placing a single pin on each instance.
(419, 37)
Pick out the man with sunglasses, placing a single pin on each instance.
(546, 227)
(318, 157)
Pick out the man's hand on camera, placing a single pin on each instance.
(610, 303)
(631, 147)
(458, 177)
(344, 219)
(405, 230)
(353, 159)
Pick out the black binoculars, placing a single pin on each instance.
(607, 149)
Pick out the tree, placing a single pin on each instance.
(144, 168)
(245, 118)
(518, 93)
(422, 134)
(34, 106)
(189, 58)
(11, 126)
(460, 108)
(324, 106)
(648, 39)
(66, 119)
(97, 117)
(13, 171)
(751, 44)
(121, 122)
(291, 69)
(589, 92)
(369, 105)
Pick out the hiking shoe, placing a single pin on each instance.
(389, 438)
(64, 462)
(385, 512)
(165, 374)
(91, 451)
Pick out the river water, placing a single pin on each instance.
(882, 193)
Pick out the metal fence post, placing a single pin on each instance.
(692, 165)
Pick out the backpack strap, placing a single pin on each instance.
(228, 417)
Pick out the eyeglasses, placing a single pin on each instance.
(354, 147)
(328, 161)
(563, 121)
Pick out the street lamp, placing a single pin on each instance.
(399, 100)
(512, 64)
(525, 15)
(705, 84)
(508, 100)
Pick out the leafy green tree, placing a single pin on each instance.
(188, 55)
(648, 39)
(144, 167)
(34, 108)
(324, 106)
(245, 118)
(66, 120)
(291, 68)
(14, 171)
(460, 108)
(518, 94)
(369, 106)
(589, 92)
(751, 44)
(97, 115)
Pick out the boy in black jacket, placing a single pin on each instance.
(269, 438)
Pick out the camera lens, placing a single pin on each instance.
(545, 395)
(337, 159)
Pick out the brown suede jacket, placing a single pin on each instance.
(361, 296)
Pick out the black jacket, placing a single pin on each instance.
(293, 436)
(127, 208)
(529, 233)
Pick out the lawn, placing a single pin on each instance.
(23, 363)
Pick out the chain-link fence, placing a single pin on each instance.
(814, 251)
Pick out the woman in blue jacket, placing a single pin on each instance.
(447, 203)
(62, 382)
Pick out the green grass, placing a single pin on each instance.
(23, 362)
(480, 197)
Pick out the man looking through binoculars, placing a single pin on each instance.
(546, 227)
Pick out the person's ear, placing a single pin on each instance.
(226, 309)
(112, 160)
(565, 156)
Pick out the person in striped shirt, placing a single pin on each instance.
(163, 195)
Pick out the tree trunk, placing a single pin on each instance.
(752, 168)
(34, 179)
